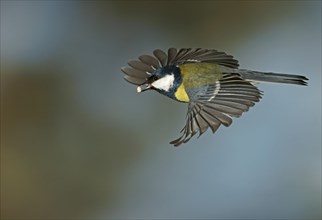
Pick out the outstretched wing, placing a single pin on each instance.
(138, 70)
(227, 98)
(188, 55)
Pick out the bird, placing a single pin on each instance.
(208, 80)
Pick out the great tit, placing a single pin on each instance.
(208, 80)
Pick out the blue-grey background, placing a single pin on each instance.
(77, 141)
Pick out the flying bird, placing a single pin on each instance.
(208, 80)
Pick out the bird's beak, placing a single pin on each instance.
(146, 85)
(143, 87)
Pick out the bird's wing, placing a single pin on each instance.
(188, 55)
(227, 98)
(138, 70)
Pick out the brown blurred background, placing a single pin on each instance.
(77, 141)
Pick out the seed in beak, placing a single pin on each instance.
(139, 89)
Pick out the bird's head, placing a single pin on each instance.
(165, 80)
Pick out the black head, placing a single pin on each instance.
(165, 80)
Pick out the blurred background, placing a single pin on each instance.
(77, 141)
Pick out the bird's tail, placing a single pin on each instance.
(255, 76)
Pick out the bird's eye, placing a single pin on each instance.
(154, 78)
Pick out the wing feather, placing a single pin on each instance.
(150, 60)
(136, 64)
(134, 72)
(161, 56)
(172, 53)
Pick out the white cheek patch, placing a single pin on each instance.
(164, 83)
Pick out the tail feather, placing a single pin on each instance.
(256, 76)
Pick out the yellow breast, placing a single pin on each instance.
(181, 94)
